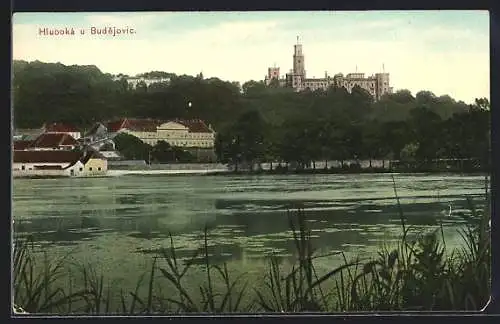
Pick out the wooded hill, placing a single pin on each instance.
(258, 122)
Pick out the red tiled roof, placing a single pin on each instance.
(195, 125)
(53, 140)
(60, 128)
(21, 145)
(116, 125)
(150, 125)
(141, 125)
(46, 156)
(68, 140)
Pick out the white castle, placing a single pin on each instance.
(377, 85)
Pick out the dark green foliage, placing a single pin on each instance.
(132, 148)
(162, 152)
(260, 123)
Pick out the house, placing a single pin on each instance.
(193, 133)
(61, 128)
(94, 163)
(58, 163)
(98, 138)
(29, 163)
(96, 133)
(141, 128)
(53, 141)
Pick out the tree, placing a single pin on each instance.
(481, 104)
(409, 152)
(426, 126)
(425, 97)
(402, 96)
(253, 88)
(326, 138)
(162, 152)
(372, 144)
(249, 141)
(274, 83)
(257, 123)
(131, 147)
(141, 86)
(395, 135)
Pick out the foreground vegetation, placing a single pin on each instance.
(417, 274)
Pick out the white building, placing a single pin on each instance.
(376, 85)
(56, 163)
(134, 81)
(46, 164)
(181, 133)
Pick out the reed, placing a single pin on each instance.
(416, 274)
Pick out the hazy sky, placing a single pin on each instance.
(446, 52)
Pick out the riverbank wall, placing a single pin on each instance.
(318, 167)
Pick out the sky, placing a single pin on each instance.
(446, 52)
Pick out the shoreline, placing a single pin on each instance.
(345, 172)
(148, 172)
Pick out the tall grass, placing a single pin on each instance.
(416, 274)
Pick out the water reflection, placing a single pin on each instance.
(247, 215)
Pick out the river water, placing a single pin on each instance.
(119, 223)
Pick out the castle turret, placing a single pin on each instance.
(382, 84)
(298, 60)
(272, 73)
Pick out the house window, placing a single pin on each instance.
(23, 168)
(90, 169)
(81, 169)
(99, 169)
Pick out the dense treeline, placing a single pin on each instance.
(258, 123)
(133, 148)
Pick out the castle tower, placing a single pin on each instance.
(272, 73)
(298, 74)
(382, 84)
(298, 60)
